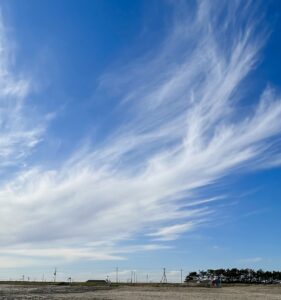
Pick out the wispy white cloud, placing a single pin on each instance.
(47, 254)
(61, 253)
(187, 128)
(250, 260)
(19, 133)
(172, 232)
(14, 262)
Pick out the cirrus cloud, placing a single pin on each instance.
(186, 129)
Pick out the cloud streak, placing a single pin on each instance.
(18, 134)
(186, 128)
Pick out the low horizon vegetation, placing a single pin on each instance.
(237, 275)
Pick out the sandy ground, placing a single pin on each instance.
(140, 293)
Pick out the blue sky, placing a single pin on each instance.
(139, 134)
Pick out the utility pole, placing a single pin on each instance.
(146, 278)
(55, 275)
(117, 275)
(181, 275)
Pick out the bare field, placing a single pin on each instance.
(240, 292)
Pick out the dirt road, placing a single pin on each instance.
(13, 292)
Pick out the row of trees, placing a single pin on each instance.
(237, 275)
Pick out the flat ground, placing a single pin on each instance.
(238, 292)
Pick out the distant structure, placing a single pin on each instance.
(164, 277)
(97, 281)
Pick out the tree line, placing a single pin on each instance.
(236, 275)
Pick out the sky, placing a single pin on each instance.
(139, 135)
